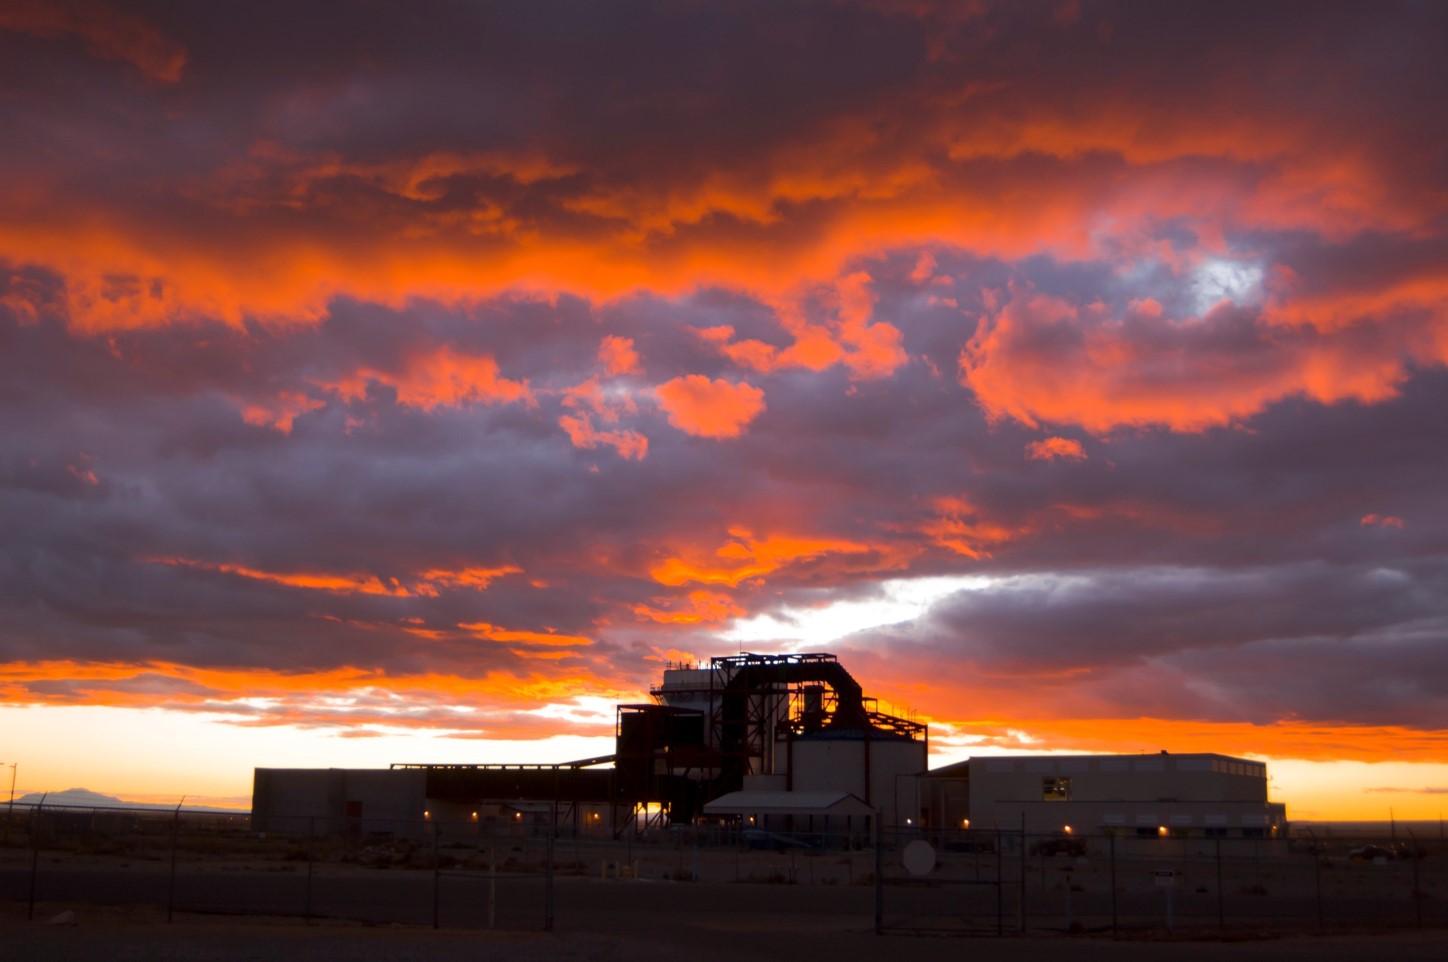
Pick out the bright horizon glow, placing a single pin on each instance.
(157, 756)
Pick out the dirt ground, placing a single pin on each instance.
(79, 934)
(704, 906)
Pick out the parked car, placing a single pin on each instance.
(1367, 853)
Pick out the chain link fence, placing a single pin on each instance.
(525, 877)
(1011, 882)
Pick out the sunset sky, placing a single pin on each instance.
(394, 383)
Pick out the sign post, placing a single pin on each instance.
(1166, 878)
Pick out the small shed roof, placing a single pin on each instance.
(788, 803)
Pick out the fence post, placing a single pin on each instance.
(1115, 934)
(1068, 903)
(548, 875)
(879, 873)
(34, 853)
(311, 833)
(1000, 887)
(1317, 880)
(175, 843)
(1417, 891)
(1023, 871)
(1221, 911)
(436, 873)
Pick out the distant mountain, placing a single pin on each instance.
(71, 798)
(85, 798)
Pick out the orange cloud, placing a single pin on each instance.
(83, 473)
(316, 581)
(672, 656)
(280, 412)
(1281, 739)
(1041, 359)
(423, 585)
(957, 527)
(874, 347)
(108, 34)
(1336, 309)
(940, 168)
(744, 557)
(549, 639)
(628, 444)
(472, 577)
(702, 607)
(709, 408)
(618, 356)
(441, 378)
(870, 349)
(591, 399)
(503, 702)
(1052, 448)
(1381, 521)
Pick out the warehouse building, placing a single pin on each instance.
(1179, 795)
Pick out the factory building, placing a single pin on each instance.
(1188, 795)
(787, 743)
(796, 730)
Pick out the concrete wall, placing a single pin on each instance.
(335, 801)
(882, 772)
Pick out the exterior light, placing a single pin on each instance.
(965, 823)
(909, 822)
(475, 814)
(1068, 829)
(517, 816)
(426, 814)
(1161, 830)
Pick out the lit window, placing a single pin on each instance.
(1056, 789)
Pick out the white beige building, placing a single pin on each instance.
(1200, 795)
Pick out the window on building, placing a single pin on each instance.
(1056, 789)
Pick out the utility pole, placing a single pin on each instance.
(10, 815)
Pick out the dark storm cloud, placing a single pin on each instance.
(534, 339)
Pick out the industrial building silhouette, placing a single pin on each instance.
(785, 743)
